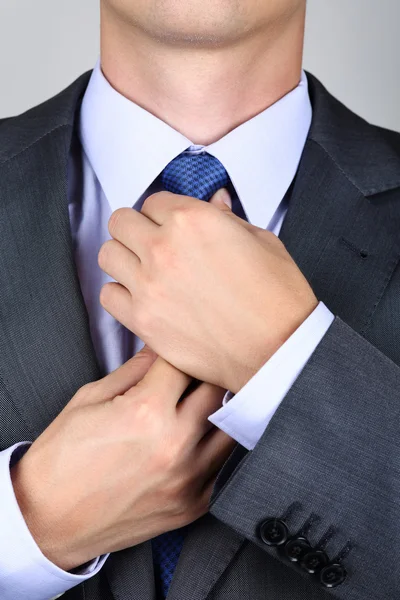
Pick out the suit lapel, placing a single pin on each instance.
(46, 349)
(340, 227)
(345, 245)
(45, 345)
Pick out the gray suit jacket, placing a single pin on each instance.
(328, 466)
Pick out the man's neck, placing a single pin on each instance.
(202, 93)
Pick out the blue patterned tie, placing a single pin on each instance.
(200, 176)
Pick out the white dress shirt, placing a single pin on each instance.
(124, 150)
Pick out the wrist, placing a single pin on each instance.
(40, 519)
(265, 346)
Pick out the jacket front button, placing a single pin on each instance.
(274, 532)
(297, 548)
(314, 561)
(332, 575)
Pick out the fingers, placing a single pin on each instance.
(214, 450)
(133, 229)
(158, 207)
(222, 199)
(119, 262)
(117, 382)
(165, 381)
(195, 409)
(224, 204)
(129, 374)
(117, 301)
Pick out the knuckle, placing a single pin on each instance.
(86, 392)
(88, 388)
(143, 412)
(152, 200)
(134, 419)
(187, 216)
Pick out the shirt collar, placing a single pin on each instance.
(128, 147)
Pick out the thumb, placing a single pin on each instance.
(117, 382)
(130, 373)
(140, 364)
(222, 200)
(146, 353)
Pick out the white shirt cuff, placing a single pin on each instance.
(25, 573)
(245, 415)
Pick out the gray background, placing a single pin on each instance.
(351, 45)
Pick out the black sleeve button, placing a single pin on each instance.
(296, 548)
(274, 532)
(314, 561)
(332, 575)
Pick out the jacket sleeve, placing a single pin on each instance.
(321, 489)
(245, 415)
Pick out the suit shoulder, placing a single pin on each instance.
(369, 155)
(19, 132)
(391, 137)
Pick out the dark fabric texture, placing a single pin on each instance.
(329, 461)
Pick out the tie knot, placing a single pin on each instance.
(197, 175)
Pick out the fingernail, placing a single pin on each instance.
(224, 195)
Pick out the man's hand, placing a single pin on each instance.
(122, 463)
(210, 293)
